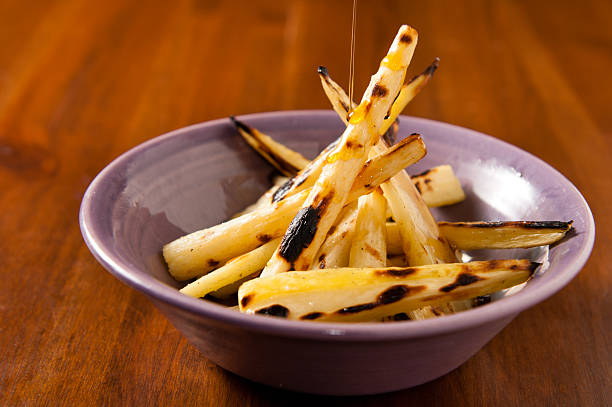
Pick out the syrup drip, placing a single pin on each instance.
(352, 61)
(392, 61)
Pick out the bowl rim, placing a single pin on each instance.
(326, 331)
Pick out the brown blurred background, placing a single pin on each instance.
(83, 81)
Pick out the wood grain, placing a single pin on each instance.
(81, 82)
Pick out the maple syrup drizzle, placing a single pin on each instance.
(352, 60)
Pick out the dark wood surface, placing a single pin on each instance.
(81, 82)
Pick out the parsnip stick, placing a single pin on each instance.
(335, 250)
(409, 90)
(503, 235)
(311, 224)
(420, 235)
(439, 186)
(196, 254)
(306, 178)
(350, 294)
(369, 246)
(490, 235)
(340, 100)
(284, 159)
(232, 271)
(421, 240)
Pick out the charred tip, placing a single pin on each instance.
(426, 74)
(240, 125)
(429, 71)
(322, 70)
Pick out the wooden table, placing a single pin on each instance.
(81, 82)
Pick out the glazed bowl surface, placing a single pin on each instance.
(200, 175)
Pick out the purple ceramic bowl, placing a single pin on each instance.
(198, 176)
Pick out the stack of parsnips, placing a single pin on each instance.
(318, 246)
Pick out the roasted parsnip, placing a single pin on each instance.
(284, 159)
(232, 271)
(439, 186)
(311, 224)
(369, 246)
(349, 294)
(421, 239)
(335, 250)
(197, 253)
(503, 235)
(490, 235)
(340, 100)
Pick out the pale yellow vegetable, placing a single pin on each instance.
(409, 90)
(197, 253)
(421, 240)
(369, 246)
(284, 159)
(349, 294)
(420, 236)
(340, 100)
(310, 226)
(503, 235)
(232, 271)
(490, 235)
(439, 186)
(335, 250)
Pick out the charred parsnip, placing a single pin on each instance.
(503, 235)
(311, 224)
(369, 246)
(490, 235)
(421, 240)
(198, 253)
(409, 90)
(440, 183)
(340, 100)
(439, 186)
(335, 250)
(349, 294)
(284, 159)
(232, 271)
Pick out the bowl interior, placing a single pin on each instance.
(198, 176)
